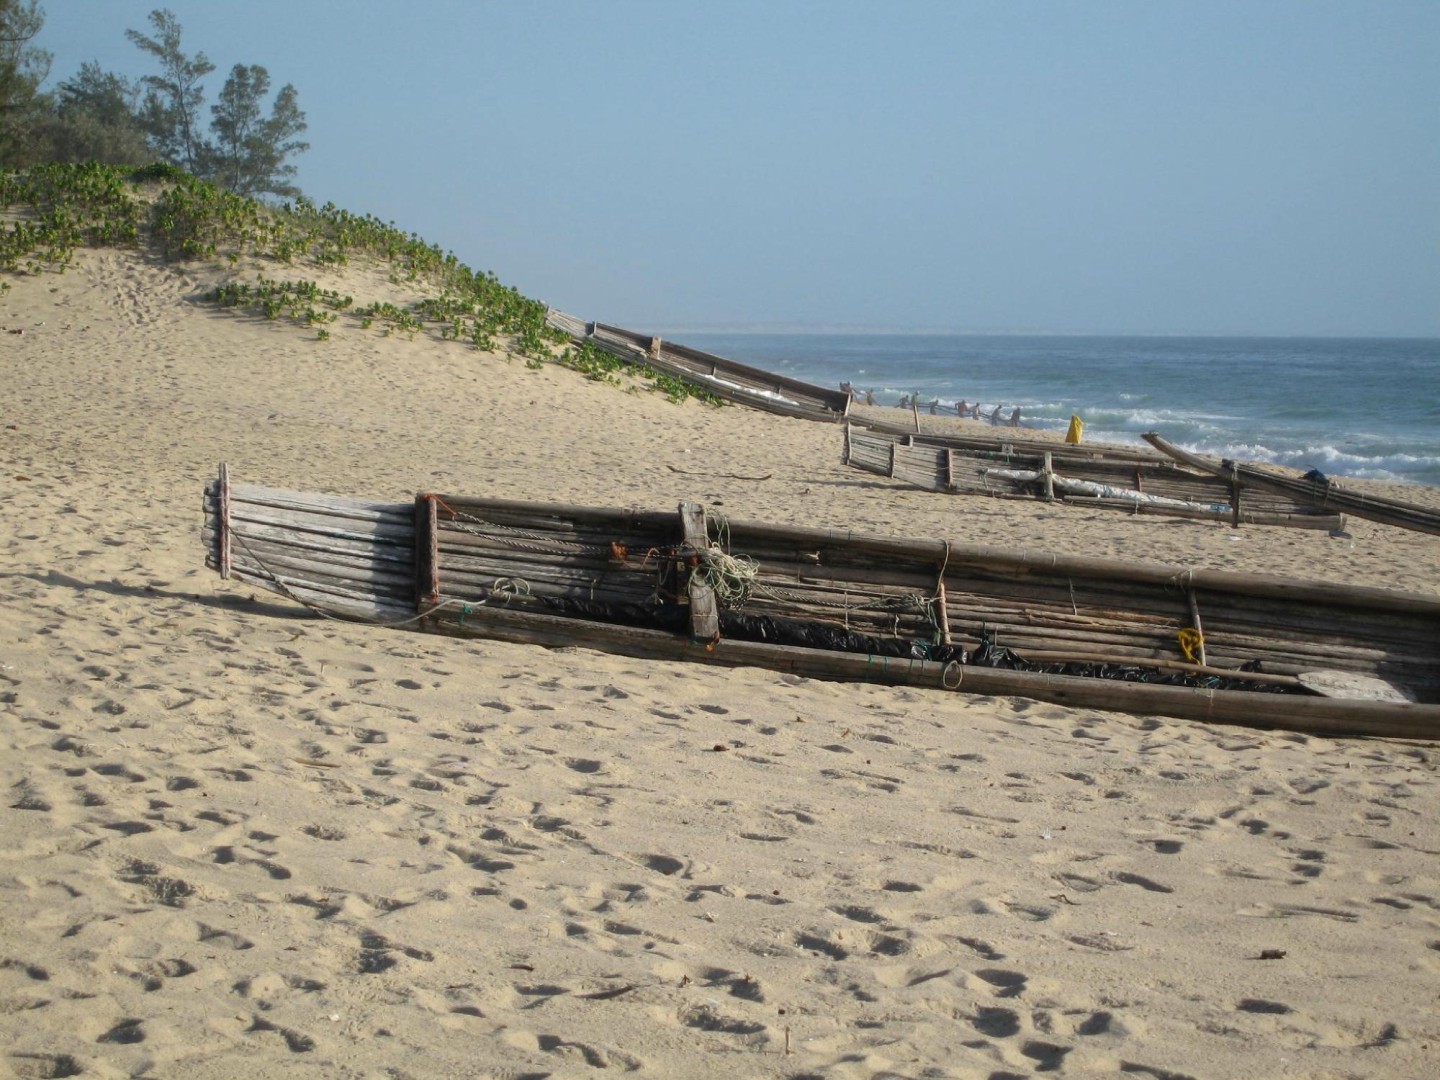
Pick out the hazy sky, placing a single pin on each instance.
(1130, 166)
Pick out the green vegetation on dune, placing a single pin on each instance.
(161, 210)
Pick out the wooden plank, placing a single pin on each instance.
(1345, 685)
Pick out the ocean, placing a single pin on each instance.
(1348, 407)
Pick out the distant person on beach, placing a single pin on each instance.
(869, 397)
(994, 417)
(1015, 417)
(904, 402)
(961, 408)
(934, 405)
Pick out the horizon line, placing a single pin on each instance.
(950, 331)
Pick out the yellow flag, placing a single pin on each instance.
(1076, 432)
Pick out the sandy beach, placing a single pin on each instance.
(240, 840)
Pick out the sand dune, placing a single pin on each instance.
(244, 841)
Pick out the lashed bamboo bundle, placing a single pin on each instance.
(1133, 482)
(1009, 442)
(728, 379)
(354, 557)
(527, 555)
(1320, 491)
(1085, 605)
(631, 582)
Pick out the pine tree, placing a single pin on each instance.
(23, 68)
(250, 150)
(171, 109)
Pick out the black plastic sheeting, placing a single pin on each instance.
(815, 635)
(812, 635)
(989, 654)
(655, 616)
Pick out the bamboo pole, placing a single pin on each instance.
(1195, 624)
(1162, 664)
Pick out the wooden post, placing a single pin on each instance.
(704, 611)
(1049, 477)
(942, 612)
(892, 460)
(915, 410)
(654, 346)
(223, 539)
(1234, 497)
(1199, 630)
(427, 551)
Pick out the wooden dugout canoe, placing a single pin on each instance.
(837, 605)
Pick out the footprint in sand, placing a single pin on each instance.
(127, 1031)
(1007, 984)
(45, 1066)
